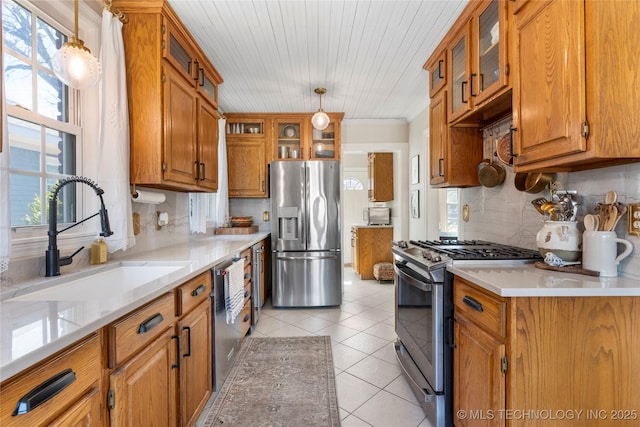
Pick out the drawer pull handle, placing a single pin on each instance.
(188, 329)
(44, 391)
(198, 291)
(246, 317)
(150, 323)
(473, 303)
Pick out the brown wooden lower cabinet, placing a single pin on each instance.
(195, 362)
(74, 397)
(372, 245)
(561, 361)
(143, 391)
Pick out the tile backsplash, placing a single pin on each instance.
(505, 215)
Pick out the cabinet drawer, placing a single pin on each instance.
(131, 333)
(79, 367)
(245, 318)
(246, 254)
(192, 293)
(480, 307)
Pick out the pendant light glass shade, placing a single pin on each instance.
(320, 120)
(74, 64)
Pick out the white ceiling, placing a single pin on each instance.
(369, 55)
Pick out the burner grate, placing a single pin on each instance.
(477, 250)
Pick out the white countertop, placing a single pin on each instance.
(525, 280)
(33, 330)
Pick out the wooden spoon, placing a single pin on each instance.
(610, 198)
(611, 218)
(591, 222)
(622, 210)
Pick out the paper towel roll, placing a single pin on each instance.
(148, 197)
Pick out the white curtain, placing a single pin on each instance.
(197, 213)
(5, 199)
(113, 160)
(222, 196)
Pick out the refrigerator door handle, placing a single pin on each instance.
(307, 258)
(305, 204)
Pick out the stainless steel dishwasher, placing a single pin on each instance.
(226, 344)
(257, 267)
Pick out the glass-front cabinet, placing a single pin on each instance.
(323, 144)
(290, 141)
(296, 139)
(437, 69)
(489, 35)
(461, 77)
(245, 126)
(478, 58)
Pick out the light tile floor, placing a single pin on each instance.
(371, 388)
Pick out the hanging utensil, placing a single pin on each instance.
(537, 203)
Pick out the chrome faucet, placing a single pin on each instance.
(52, 255)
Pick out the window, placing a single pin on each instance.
(449, 212)
(353, 184)
(44, 138)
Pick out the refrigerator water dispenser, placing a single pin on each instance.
(288, 222)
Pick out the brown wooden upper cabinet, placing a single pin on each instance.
(294, 138)
(380, 173)
(573, 85)
(172, 90)
(247, 150)
(477, 60)
(454, 153)
(437, 68)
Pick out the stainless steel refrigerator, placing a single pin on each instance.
(305, 233)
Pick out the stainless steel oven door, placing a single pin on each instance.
(419, 321)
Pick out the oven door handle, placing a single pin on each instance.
(428, 397)
(414, 279)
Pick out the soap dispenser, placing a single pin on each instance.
(99, 252)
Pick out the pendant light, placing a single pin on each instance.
(73, 64)
(320, 120)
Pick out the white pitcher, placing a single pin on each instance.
(600, 252)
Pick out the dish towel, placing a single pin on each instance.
(234, 290)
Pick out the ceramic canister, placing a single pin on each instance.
(562, 238)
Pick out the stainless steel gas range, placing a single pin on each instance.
(424, 313)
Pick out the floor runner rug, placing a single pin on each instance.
(278, 382)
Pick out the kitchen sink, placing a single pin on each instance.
(121, 278)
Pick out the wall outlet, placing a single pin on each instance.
(265, 216)
(634, 219)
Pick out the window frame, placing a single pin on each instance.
(443, 230)
(83, 122)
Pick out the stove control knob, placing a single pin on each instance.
(426, 254)
(436, 258)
